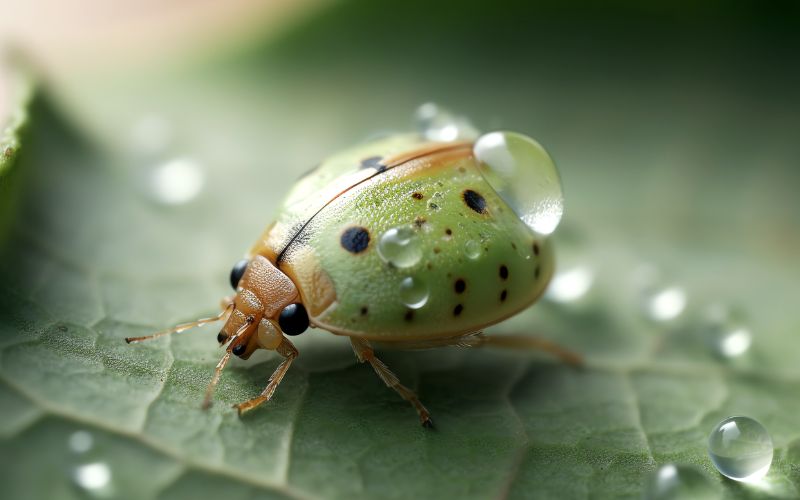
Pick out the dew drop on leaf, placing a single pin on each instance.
(675, 482)
(741, 449)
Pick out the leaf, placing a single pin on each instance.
(93, 257)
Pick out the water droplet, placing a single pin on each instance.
(94, 478)
(675, 482)
(665, 304)
(176, 181)
(726, 332)
(400, 247)
(414, 292)
(571, 284)
(740, 449)
(438, 124)
(524, 175)
(80, 442)
(472, 249)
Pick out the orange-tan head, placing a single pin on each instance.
(266, 305)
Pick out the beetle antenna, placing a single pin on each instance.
(221, 365)
(183, 327)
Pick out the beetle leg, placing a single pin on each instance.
(185, 326)
(529, 342)
(364, 353)
(288, 351)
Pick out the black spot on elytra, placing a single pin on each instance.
(457, 310)
(417, 195)
(364, 310)
(460, 285)
(503, 295)
(535, 248)
(503, 272)
(448, 232)
(409, 315)
(537, 272)
(355, 239)
(372, 162)
(474, 200)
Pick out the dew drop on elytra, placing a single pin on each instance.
(675, 482)
(525, 177)
(400, 247)
(741, 449)
(472, 249)
(413, 292)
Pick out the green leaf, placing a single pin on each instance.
(93, 256)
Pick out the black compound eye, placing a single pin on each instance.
(293, 319)
(239, 349)
(221, 337)
(237, 272)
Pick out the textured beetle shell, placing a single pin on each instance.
(404, 182)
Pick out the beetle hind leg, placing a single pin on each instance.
(529, 342)
(289, 352)
(364, 353)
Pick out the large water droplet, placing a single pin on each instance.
(176, 181)
(677, 482)
(400, 247)
(437, 124)
(741, 449)
(414, 292)
(472, 249)
(726, 333)
(524, 175)
(571, 284)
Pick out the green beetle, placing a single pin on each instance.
(402, 241)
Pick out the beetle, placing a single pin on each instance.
(402, 241)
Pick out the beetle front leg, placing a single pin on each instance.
(288, 351)
(364, 353)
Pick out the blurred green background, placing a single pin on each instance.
(675, 128)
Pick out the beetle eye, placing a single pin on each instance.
(237, 272)
(293, 319)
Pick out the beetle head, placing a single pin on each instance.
(265, 306)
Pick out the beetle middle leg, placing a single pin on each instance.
(364, 353)
(288, 351)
